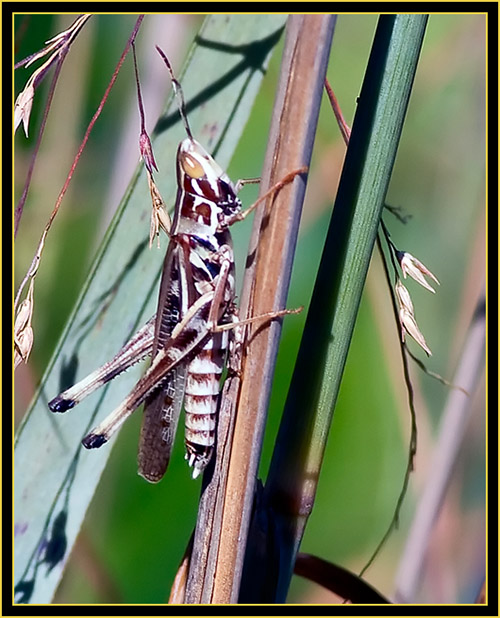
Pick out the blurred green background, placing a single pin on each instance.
(135, 533)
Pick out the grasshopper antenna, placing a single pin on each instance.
(178, 92)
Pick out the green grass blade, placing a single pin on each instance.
(55, 478)
(292, 481)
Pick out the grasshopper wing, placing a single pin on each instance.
(162, 408)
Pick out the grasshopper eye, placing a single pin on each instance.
(191, 166)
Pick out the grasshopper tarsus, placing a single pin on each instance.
(59, 404)
(94, 441)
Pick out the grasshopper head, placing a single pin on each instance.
(206, 194)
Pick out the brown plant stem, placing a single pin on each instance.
(345, 129)
(335, 578)
(268, 272)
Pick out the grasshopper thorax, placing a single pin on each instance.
(206, 195)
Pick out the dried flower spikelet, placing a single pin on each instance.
(22, 107)
(403, 297)
(23, 316)
(407, 318)
(23, 333)
(164, 220)
(22, 346)
(159, 215)
(413, 267)
(146, 151)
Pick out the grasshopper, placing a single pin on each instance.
(195, 324)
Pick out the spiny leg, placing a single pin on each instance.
(186, 338)
(241, 215)
(137, 348)
(265, 317)
(195, 327)
(239, 184)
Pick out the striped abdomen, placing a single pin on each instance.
(201, 399)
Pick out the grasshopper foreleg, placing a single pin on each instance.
(243, 214)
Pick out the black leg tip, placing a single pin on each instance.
(58, 404)
(94, 441)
